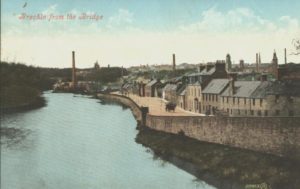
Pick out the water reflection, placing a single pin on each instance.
(75, 142)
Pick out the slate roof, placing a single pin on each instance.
(153, 82)
(262, 90)
(286, 88)
(242, 88)
(169, 87)
(216, 86)
(203, 72)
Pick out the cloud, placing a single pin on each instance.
(117, 40)
(240, 20)
(50, 10)
(123, 18)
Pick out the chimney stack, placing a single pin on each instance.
(285, 61)
(232, 79)
(263, 77)
(174, 63)
(74, 82)
(242, 65)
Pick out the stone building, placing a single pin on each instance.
(152, 87)
(169, 92)
(211, 95)
(236, 99)
(208, 72)
(181, 98)
(198, 81)
(193, 97)
(228, 63)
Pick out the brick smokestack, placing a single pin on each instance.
(285, 61)
(74, 82)
(174, 62)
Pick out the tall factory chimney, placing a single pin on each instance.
(285, 61)
(74, 82)
(174, 63)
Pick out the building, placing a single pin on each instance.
(211, 95)
(275, 65)
(193, 97)
(208, 72)
(181, 98)
(169, 92)
(228, 62)
(151, 88)
(236, 99)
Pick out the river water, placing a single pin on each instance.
(76, 142)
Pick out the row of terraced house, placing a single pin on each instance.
(213, 90)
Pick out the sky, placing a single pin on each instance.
(138, 32)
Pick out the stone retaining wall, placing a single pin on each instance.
(275, 135)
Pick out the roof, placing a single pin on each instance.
(216, 86)
(183, 92)
(286, 88)
(153, 82)
(203, 72)
(262, 89)
(169, 87)
(242, 88)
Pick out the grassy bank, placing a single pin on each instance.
(222, 163)
(21, 87)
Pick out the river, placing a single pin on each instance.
(77, 142)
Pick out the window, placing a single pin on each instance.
(231, 111)
(233, 100)
(209, 97)
(245, 112)
(266, 112)
(227, 110)
(252, 112)
(239, 111)
(276, 98)
(227, 99)
(217, 98)
(277, 112)
(213, 97)
(238, 100)
(253, 102)
(259, 113)
(291, 113)
(290, 99)
(260, 102)
(245, 101)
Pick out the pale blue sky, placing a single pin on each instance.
(147, 32)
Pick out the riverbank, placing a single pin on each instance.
(38, 102)
(223, 167)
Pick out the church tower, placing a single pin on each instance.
(228, 62)
(275, 65)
